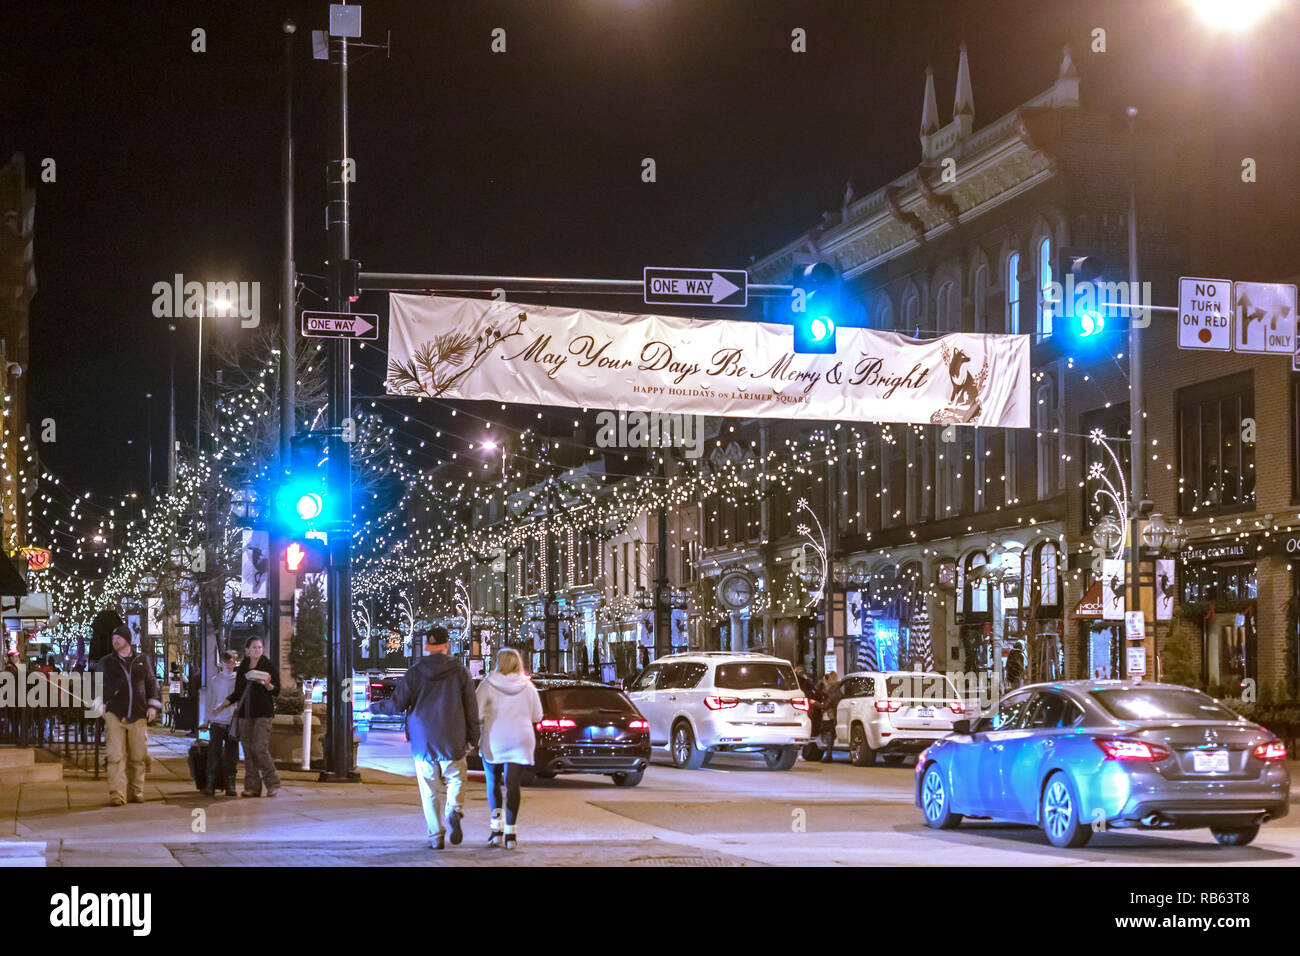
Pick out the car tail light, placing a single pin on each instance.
(801, 703)
(1123, 748)
(957, 707)
(720, 703)
(888, 706)
(556, 723)
(1273, 750)
(638, 725)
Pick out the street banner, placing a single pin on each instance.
(154, 617)
(255, 565)
(1112, 586)
(1164, 589)
(853, 616)
(488, 350)
(681, 637)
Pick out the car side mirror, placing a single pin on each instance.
(961, 726)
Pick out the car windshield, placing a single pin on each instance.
(751, 675)
(569, 699)
(1150, 703)
(934, 687)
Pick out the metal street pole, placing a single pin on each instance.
(342, 272)
(1137, 446)
(662, 610)
(171, 408)
(288, 365)
(832, 542)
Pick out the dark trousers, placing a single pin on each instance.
(223, 757)
(511, 775)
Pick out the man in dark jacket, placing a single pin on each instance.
(131, 700)
(437, 695)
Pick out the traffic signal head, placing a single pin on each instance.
(301, 499)
(1085, 304)
(815, 304)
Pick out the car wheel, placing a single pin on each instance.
(781, 758)
(686, 756)
(860, 752)
(628, 779)
(894, 759)
(1235, 836)
(936, 801)
(812, 753)
(1062, 821)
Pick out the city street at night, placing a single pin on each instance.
(734, 813)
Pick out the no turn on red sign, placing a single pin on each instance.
(1205, 314)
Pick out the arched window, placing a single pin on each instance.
(1013, 293)
(974, 587)
(980, 290)
(945, 311)
(884, 314)
(1044, 288)
(911, 312)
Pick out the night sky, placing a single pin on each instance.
(523, 163)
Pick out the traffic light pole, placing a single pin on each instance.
(342, 277)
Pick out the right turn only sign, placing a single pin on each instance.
(1205, 314)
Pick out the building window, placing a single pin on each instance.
(911, 313)
(885, 315)
(1216, 464)
(980, 291)
(1045, 439)
(1013, 293)
(946, 308)
(1044, 288)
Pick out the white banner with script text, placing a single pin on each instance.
(482, 349)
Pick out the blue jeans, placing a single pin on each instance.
(223, 757)
(511, 775)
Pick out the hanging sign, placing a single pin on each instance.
(1165, 589)
(1135, 625)
(1112, 589)
(480, 349)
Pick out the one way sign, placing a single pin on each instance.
(340, 325)
(724, 287)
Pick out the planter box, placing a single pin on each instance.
(286, 740)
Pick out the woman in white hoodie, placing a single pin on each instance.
(509, 708)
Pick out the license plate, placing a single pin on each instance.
(1210, 761)
(765, 707)
(925, 712)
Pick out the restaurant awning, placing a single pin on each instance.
(11, 581)
(1090, 605)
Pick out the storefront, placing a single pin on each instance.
(1100, 640)
(1220, 590)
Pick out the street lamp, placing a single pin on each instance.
(1236, 16)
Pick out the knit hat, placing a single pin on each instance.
(123, 630)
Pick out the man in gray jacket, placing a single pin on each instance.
(437, 695)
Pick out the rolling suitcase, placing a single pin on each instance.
(198, 761)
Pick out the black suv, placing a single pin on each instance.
(587, 727)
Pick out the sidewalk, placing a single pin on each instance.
(308, 823)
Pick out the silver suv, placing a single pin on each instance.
(723, 702)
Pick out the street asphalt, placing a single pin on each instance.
(733, 813)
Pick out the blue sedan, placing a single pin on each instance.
(1076, 756)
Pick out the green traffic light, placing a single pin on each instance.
(309, 506)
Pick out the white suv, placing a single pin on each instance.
(895, 713)
(723, 702)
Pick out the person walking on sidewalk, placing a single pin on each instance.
(223, 749)
(257, 682)
(130, 701)
(437, 695)
(510, 707)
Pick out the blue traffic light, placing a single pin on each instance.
(301, 502)
(815, 304)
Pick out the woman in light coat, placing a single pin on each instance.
(509, 708)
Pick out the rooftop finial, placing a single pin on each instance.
(964, 105)
(930, 111)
